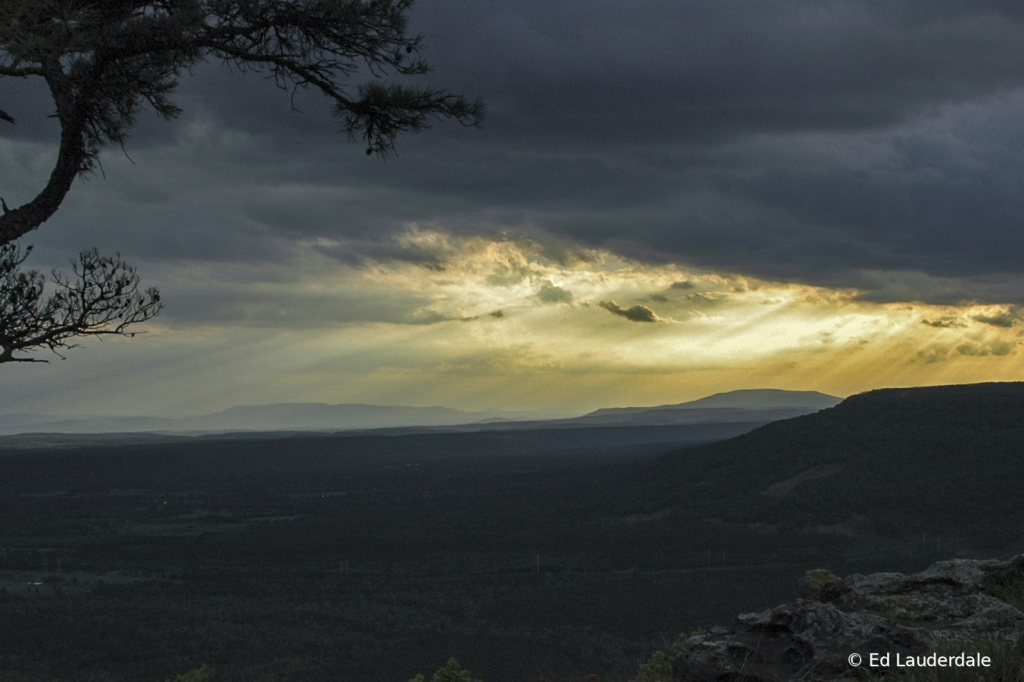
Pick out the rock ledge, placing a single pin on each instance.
(811, 638)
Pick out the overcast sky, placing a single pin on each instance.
(666, 199)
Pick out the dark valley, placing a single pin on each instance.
(527, 554)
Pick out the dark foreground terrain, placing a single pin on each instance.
(526, 555)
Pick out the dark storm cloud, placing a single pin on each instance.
(669, 106)
(662, 71)
(787, 139)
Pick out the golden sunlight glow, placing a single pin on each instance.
(475, 322)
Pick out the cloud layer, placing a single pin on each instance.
(744, 169)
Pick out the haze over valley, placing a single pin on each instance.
(755, 406)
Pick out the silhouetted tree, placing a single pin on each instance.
(101, 298)
(102, 61)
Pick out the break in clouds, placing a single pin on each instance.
(471, 321)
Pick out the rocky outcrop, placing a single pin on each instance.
(815, 637)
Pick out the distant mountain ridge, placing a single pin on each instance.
(754, 406)
(744, 399)
(747, 405)
(276, 417)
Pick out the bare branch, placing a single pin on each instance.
(101, 298)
